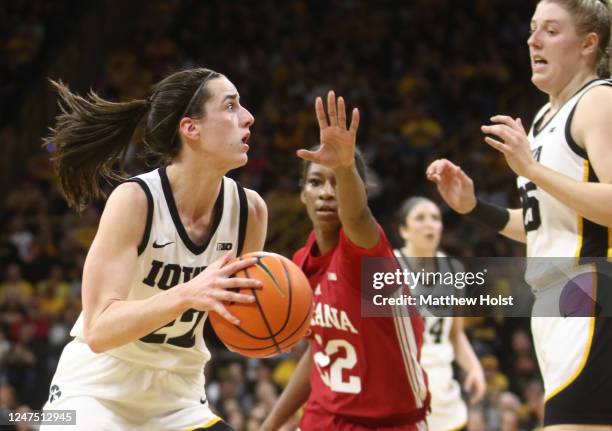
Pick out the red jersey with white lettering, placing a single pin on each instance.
(366, 370)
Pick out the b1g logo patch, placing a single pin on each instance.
(224, 246)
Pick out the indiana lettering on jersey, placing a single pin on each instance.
(327, 316)
(167, 275)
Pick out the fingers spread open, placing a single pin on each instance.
(331, 109)
(320, 112)
(500, 146)
(310, 156)
(231, 283)
(341, 113)
(238, 265)
(355, 120)
(222, 311)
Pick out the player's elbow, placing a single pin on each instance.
(93, 339)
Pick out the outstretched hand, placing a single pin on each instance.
(455, 187)
(337, 142)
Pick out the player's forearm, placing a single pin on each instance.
(124, 321)
(515, 229)
(350, 193)
(293, 397)
(464, 354)
(589, 200)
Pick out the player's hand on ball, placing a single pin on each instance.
(337, 141)
(209, 289)
(455, 187)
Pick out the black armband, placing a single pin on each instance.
(491, 215)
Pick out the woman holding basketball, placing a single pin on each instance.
(331, 377)
(564, 169)
(444, 339)
(159, 262)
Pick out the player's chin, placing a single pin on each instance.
(327, 219)
(240, 160)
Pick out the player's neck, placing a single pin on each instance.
(558, 99)
(411, 251)
(195, 192)
(327, 238)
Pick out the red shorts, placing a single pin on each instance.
(319, 420)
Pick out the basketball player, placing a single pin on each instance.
(358, 373)
(564, 168)
(160, 259)
(444, 339)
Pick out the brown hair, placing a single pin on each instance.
(592, 16)
(91, 134)
(408, 205)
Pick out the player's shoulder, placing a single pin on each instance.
(381, 248)
(128, 204)
(256, 203)
(129, 193)
(597, 95)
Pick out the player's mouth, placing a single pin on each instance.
(245, 139)
(326, 210)
(538, 62)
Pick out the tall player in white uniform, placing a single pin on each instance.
(160, 259)
(564, 167)
(444, 340)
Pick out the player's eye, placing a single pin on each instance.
(230, 106)
(314, 182)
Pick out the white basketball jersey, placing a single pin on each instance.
(167, 257)
(553, 229)
(437, 349)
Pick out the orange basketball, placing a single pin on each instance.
(280, 315)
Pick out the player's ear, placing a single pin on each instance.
(303, 196)
(403, 231)
(590, 43)
(189, 129)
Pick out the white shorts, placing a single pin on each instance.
(562, 346)
(111, 394)
(448, 410)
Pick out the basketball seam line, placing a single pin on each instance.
(284, 325)
(263, 316)
(305, 319)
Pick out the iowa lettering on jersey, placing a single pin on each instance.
(326, 316)
(170, 274)
(181, 331)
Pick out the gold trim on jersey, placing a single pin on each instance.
(587, 350)
(585, 178)
(460, 427)
(208, 424)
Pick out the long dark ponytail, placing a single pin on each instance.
(91, 134)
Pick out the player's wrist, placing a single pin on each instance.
(490, 214)
(179, 298)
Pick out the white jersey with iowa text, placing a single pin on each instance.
(553, 229)
(168, 257)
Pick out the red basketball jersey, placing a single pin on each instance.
(365, 370)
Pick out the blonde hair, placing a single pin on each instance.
(592, 16)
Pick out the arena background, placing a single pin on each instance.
(425, 75)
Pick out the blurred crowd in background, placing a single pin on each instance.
(425, 75)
